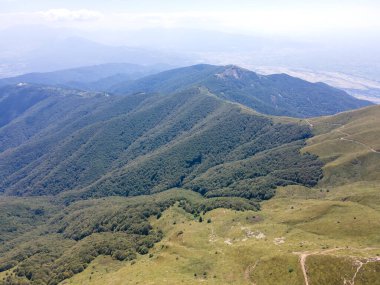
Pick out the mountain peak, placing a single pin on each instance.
(272, 95)
(230, 72)
(235, 72)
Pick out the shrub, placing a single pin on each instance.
(142, 250)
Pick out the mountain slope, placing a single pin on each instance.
(321, 235)
(72, 147)
(274, 94)
(257, 247)
(349, 145)
(28, 110)
(15, 100)
(68, 148)
(143, 144)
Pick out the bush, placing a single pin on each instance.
(142, 250)
(119, 255)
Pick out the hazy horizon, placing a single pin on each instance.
(318, 36)
(242, 16)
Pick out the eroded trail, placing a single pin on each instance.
(303, 267)
(303, 256)
(248, 272)
(359, 262)
(355, 141)
(345, 135)
(310, 124)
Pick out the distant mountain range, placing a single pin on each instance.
(97, 77)
(277, 94)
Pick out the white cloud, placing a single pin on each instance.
(67, 15)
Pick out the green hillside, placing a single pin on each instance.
(349, 145)
(44, 242)
(144, 144)
(327, 234)
(332, 236)
(279, 94)
(329, 231)
(16, 100)
(97, 188)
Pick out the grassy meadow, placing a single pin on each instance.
(328, 234)
(338, 228)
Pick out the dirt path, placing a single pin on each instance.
(355, 141)
(346, 135)
(248, 272)
(360, 264)
(310, 124)
(212, 237)
(303, 256)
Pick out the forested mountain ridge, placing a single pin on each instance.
(279, 94)
(172, 129)
(76, 146)
(15, 100)
(141, 144)
(30, 110)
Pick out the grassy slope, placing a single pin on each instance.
(337, 223)
(229, 252)
(46, 242)
(348, 143)
(340, 227)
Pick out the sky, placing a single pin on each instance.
(236, 16)
(317, 34)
